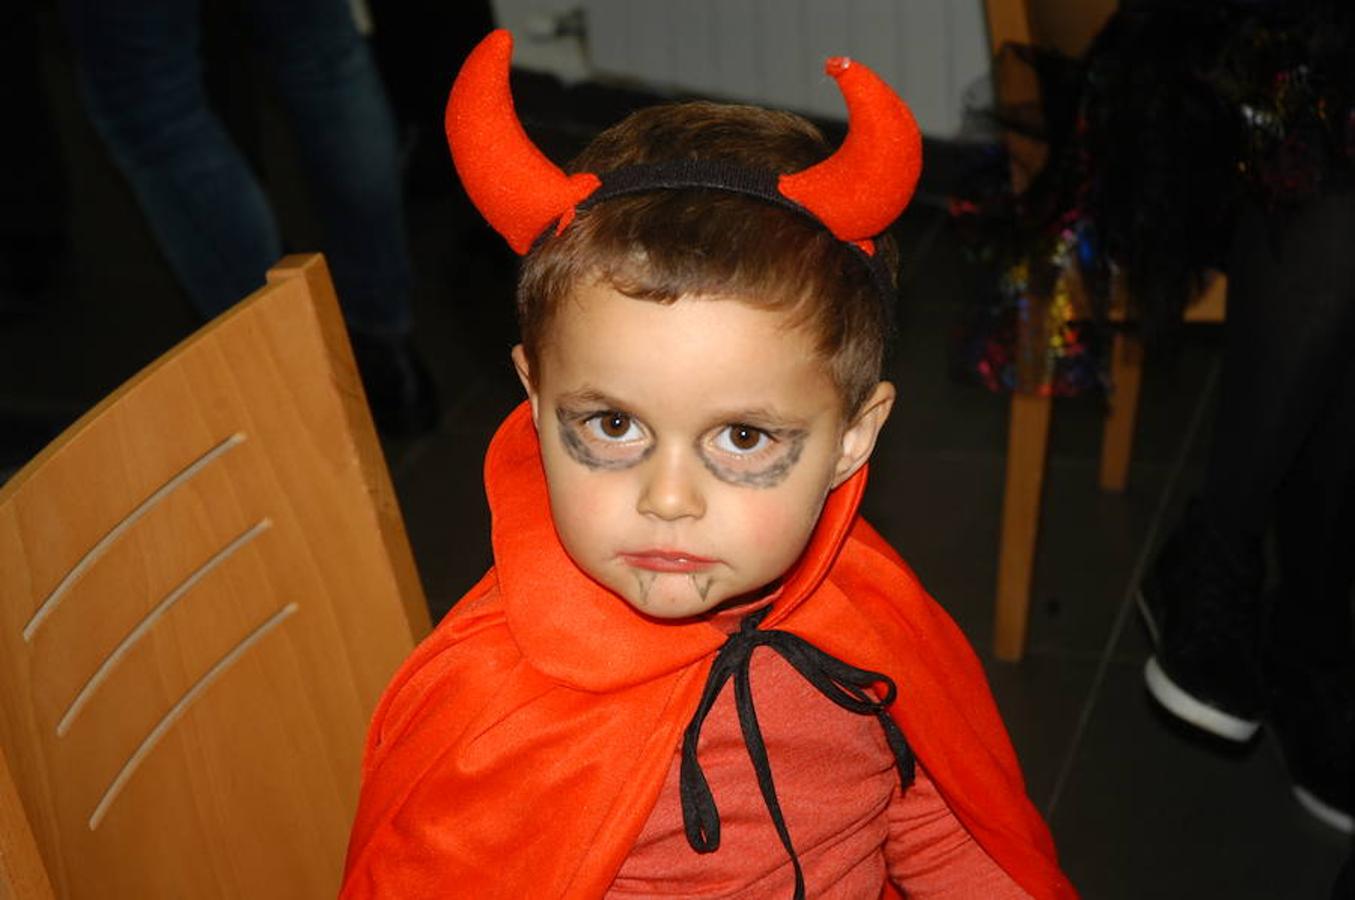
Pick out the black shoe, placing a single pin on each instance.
(1312, 715)
(400, 392)
(1201, 602)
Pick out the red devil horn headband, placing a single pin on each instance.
(856, 193)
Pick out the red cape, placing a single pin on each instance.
(520, 749)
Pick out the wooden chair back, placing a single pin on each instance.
(204, 585)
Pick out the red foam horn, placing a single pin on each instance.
(516, 188)
(859, 190)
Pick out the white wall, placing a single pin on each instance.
(768, 51)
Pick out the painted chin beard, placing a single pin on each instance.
(695, 586)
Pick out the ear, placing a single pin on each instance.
(859, 439)
(524, 371)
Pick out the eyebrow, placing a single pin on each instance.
(587, 396)
(760, 416)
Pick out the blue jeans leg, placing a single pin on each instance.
(347, 137)
(141, 76)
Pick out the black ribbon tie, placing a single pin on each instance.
(844, 684)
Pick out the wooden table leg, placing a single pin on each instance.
(1027, 443)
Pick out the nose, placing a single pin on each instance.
(671, 488)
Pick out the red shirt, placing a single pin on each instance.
(851, 824)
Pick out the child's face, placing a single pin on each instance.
(688, 448)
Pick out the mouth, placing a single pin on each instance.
(666, 561)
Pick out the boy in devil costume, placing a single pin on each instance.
(702, 305)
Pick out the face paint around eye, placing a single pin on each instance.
(585, 437)
(765, 465)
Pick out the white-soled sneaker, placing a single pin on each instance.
(1201, 603)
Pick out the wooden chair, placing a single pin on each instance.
(1009, 21)
(204, 585)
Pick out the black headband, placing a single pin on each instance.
(725, 176)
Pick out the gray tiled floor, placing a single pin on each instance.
(1138, 809)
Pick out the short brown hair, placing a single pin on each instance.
(667, 243)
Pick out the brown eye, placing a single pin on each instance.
(741, 439)
(613, 425)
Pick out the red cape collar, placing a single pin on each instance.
(578, 632)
